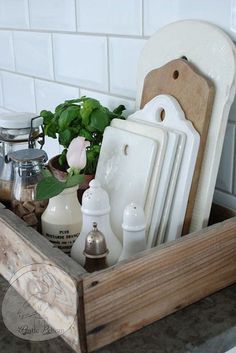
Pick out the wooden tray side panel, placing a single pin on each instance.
(26, 258)
(195, 94)
(160, 281)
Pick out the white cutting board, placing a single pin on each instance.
(213, 54)
(124, 170)
(150, 114)
(175, 120)
(163, 164)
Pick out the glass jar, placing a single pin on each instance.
(28, 165)
(17, 131)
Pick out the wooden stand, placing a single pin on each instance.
(112, 303)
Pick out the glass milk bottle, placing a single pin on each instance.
(62, 219)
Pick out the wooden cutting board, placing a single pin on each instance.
(195, 95)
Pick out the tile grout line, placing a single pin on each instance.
(76, 15)
(28, 11)
(13, 50)
(53, 57)
(35, 100)
(142, 9)
(89, 34)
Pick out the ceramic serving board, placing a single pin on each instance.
(169, 175)
(124, 170)
(174, 119)
(215, 58)
(161, 138)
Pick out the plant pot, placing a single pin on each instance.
(60, 172)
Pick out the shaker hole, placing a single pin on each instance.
(175, 74)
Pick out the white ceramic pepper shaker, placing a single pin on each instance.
(134, 225)
(96, 208)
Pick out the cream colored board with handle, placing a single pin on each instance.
(215, 58)
(162, 166)
(125, 169)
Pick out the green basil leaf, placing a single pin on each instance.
(119, 110)
(65, 137)
(51, 130)
(99, 119)
(74, 180)
(46, 173)
(60, 107)
(86, 134)
(49, 187)
(77, 100)
(67, 116)
(88, 106)
(62, 158)
(47, 116)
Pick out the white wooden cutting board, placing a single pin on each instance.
(175, 120)
(151, 114)
(213, 53)
(124, 170)
(163, 165)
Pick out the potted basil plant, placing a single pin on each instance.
(85, 117)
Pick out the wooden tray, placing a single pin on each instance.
(122, 299)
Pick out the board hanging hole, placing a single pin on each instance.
(126, 147)
(162, 114)
(175, 74)
(184, 57)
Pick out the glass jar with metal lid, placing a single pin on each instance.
(28, 165)
(17, 131)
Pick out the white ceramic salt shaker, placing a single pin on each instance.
(134, 225)
(96, 208)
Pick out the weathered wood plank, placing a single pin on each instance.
(134, 293)
(27, 258)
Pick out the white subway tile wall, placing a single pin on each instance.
(7, 54)
(50, 94)
(33, 54)
(14, 14)
(81, 60)
(61, 49)
(55, 15)
(124, 54)
(18, 92)
(110, 16)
